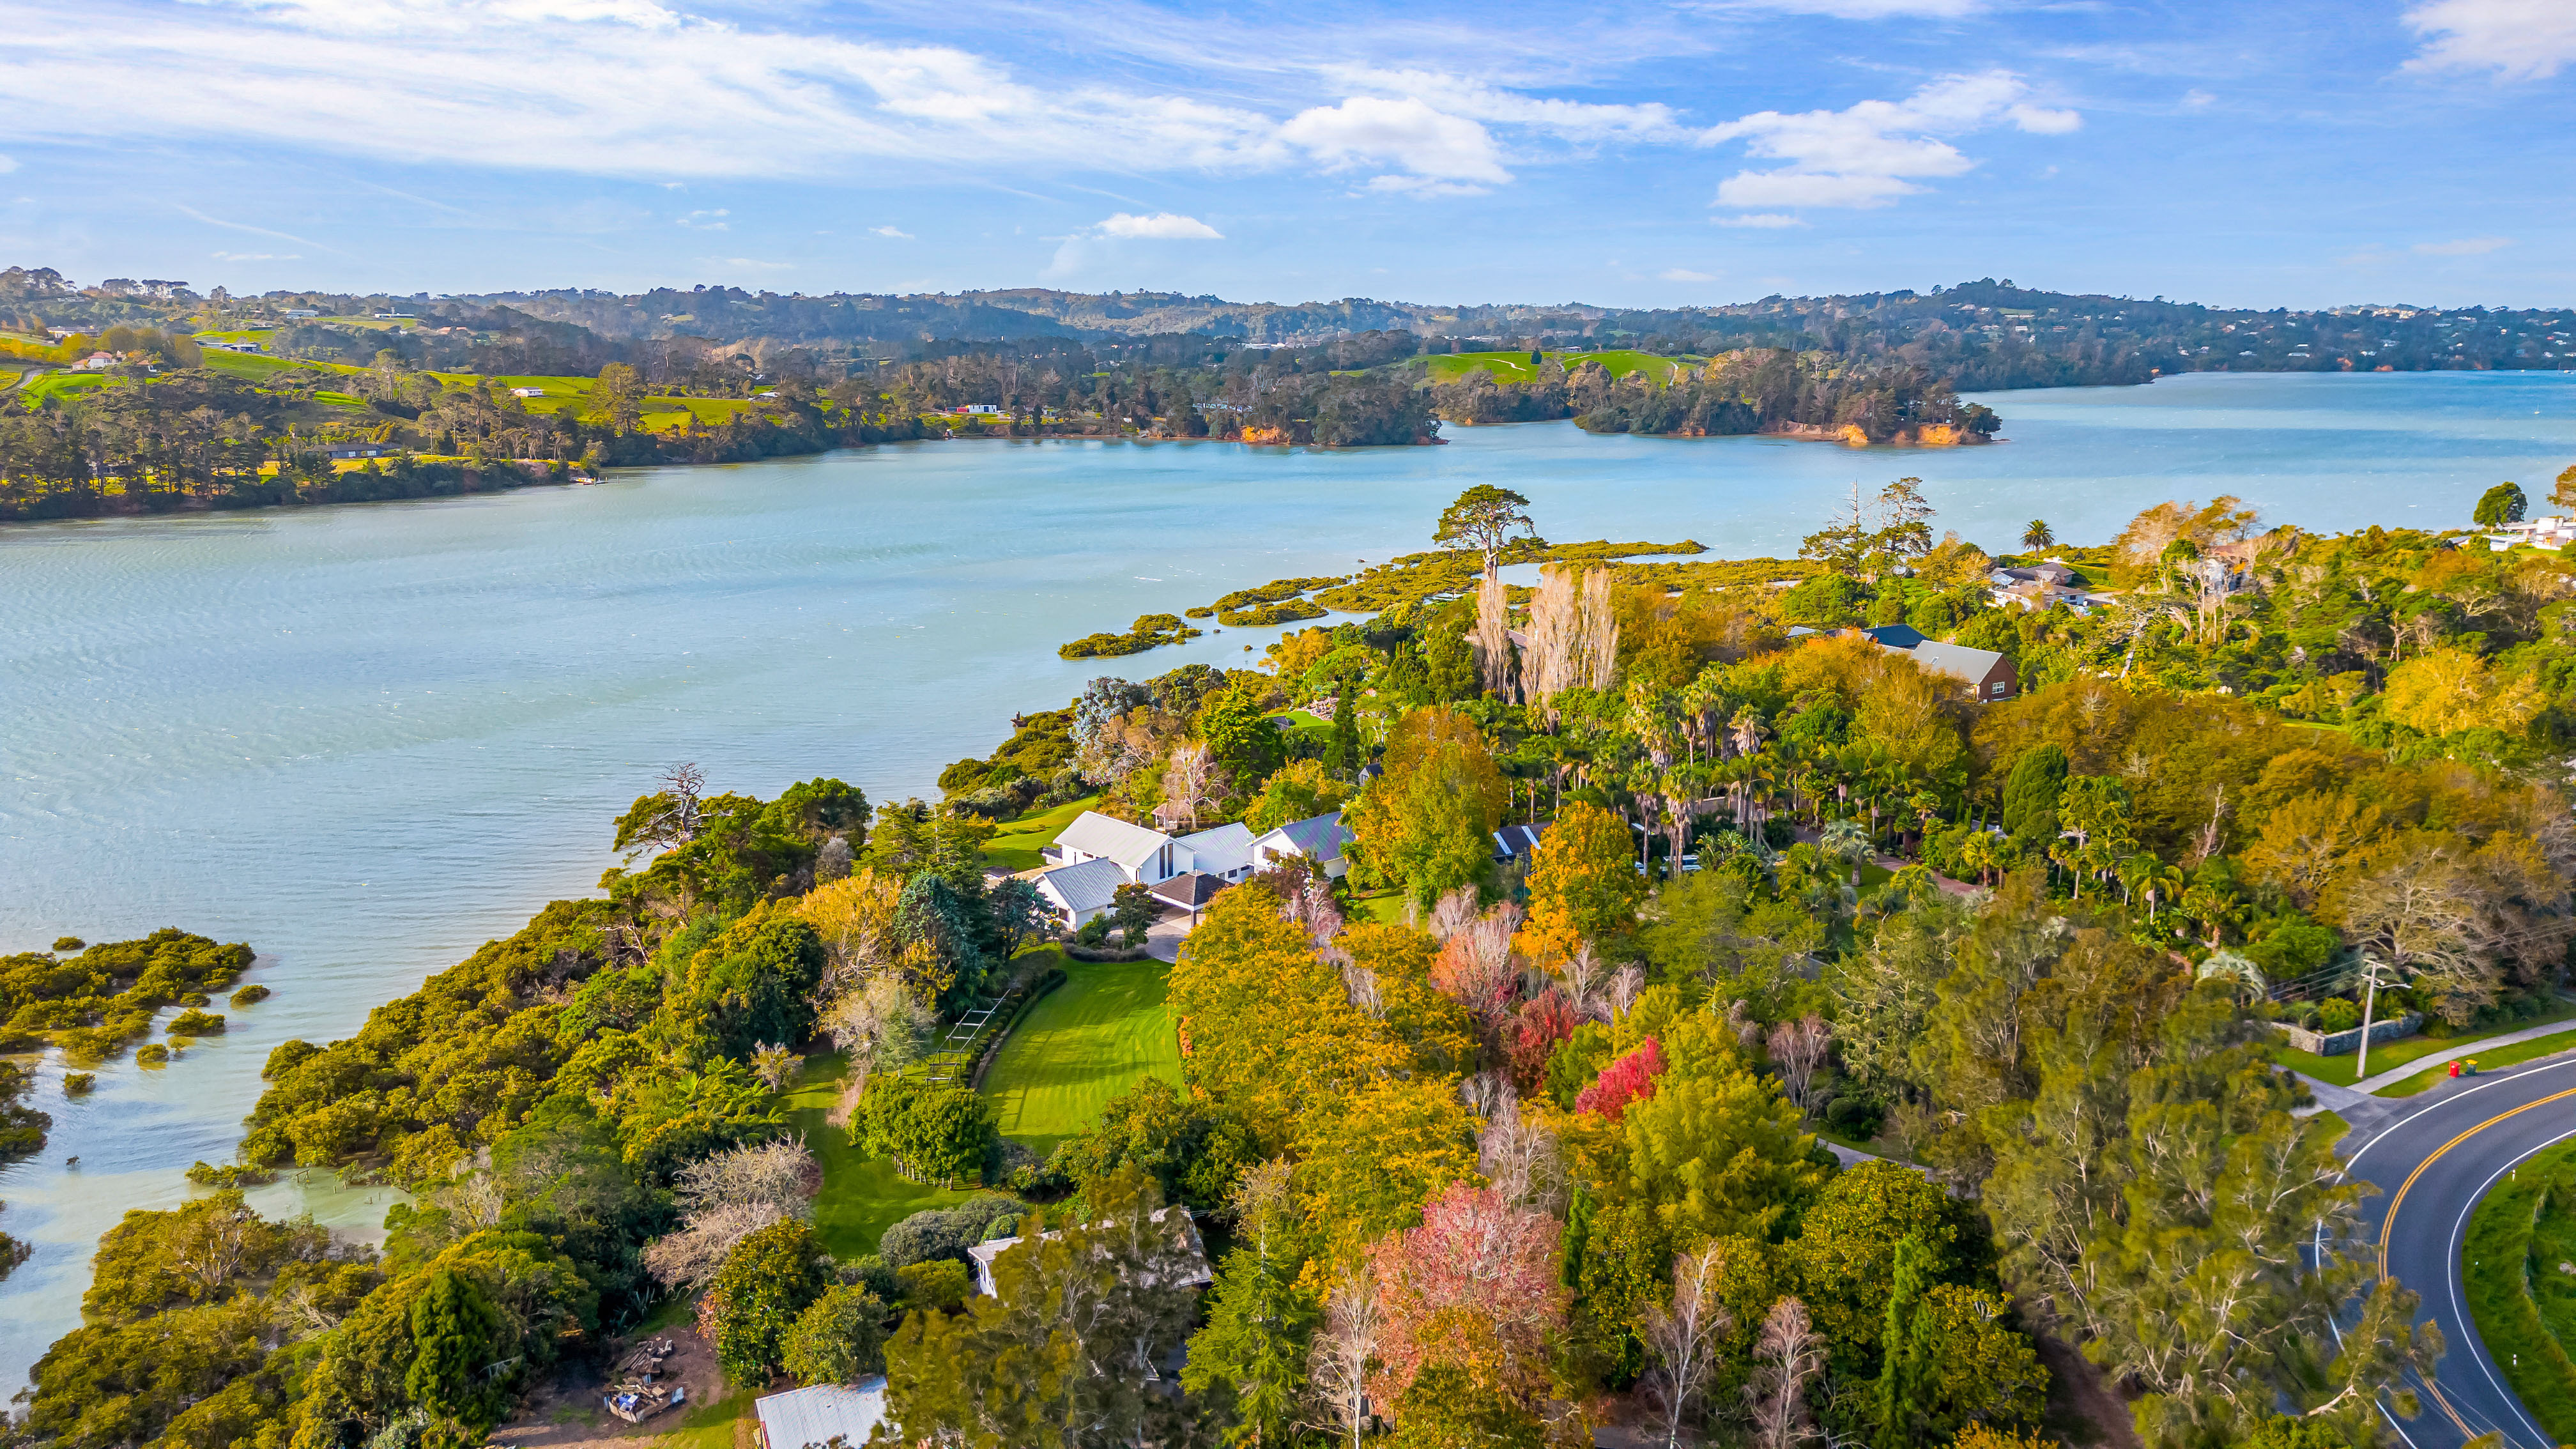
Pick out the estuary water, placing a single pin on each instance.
(368, 738)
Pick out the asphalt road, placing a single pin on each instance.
(2433, 1157)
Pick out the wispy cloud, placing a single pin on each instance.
(256, 256)
(708, 220)
(8, 164)
(1161, 226)
(1873, 153)
(2474, 246)
(190, 211)
(2517, 39)
(749, 264)
(1684, 274)
(1765, 220)
(890, 231)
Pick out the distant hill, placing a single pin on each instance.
(1980, 335)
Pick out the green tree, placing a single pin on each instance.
(935, 1131)
(1260, 1319)
(2036, 535)
(767, 1282)
(2501, 504)
(1484, 518)
(2030, 794)
(1132, 910)
(753, 983)
(1342, 756)
(838, 1339)
(1241, 735)
(2563, 495)
(1057, 1357)
(1300, 790)
(618, 397)
(1428, 822)
(456, 1336)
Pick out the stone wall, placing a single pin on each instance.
(2341, 1042)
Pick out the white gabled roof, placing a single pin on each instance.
(1110, 838)
(1317, 837)
(1219, 851)
(1085, 885)
(802, 1418)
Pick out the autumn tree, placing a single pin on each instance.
(1428, 822)
(1584, 886)
(1473, 1289)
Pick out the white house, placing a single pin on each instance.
(1319, 838)
(1144, 855)
(527, 392)
(2549, 533)
(810, 1418)
(1189, 1256)
(1082, 890)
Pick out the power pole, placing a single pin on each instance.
(2371, 968)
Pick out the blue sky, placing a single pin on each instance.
(2271, 154)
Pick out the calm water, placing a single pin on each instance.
(366, 739)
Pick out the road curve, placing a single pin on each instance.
(2432, 1157)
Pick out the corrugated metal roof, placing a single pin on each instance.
(807, 1417)
(1110, 838)
(1318, 838)
(1085, 885)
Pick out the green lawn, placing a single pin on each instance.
(2504, 1056)
(61, 384)
(2523, 1301)
(862, 1196)
(1515, 366)
(1015, 846)
(1090, 1039)
(1385, 907)
(2389, 1055)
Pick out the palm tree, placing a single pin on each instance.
(2036, 536)
(1847, 842)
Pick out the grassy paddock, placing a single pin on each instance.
(1515, 366)
(862, 1196)
(1015, 846)
(1090, 1039)
(2524, 1305)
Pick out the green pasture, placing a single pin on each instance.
(1090, 1039)
(61, 384)
(1015, 846)
(2519, 1264)
(1515, 366)
(862, 1196)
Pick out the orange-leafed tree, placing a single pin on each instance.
(1584, 884)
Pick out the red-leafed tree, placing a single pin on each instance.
(1476, 967)
(1545, 1020)
(1474, 1288)
(1626, 1079)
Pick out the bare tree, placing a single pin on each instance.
(212, 1245)
(727, 1196)
(1192, 780)
(671, 815)
(1597, 662)
(1587, 983)
(1798, 1049)
(1344, 1353)
(1683, 1338)
(1493, 637)
(1625, 983)
(775, 1066)
(1455, 912)
(1518, 1157)
(1785, 1358)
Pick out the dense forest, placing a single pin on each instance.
(1490, 1151)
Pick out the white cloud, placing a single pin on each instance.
(1864, 9)
(2475, 246)
(2198, 99)
(8, 164)
(892, 232)
(1684, 274)
(1422, 188)
(1161, 226)
(1877, 151)
(2517, 39)
(1576, 121)
(615, 87)
(1409, 134)
(1763, 219)
(708, 220)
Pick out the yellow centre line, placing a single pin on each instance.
(2388, 1224)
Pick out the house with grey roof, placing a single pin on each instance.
(1081, 890)
(1318, 838)
(811, 1418)
(1144, 856)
